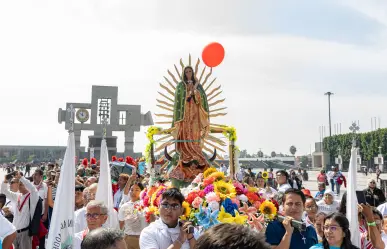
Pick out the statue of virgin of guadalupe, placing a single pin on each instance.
(191, 125)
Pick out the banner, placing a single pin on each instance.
(62, 224)
(104, 190)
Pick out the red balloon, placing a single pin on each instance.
(213, 54)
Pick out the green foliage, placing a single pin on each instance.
(273, 154)
(293, 150)
(31, 157)
(367, 142)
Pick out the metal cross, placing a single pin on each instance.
(71, 112)
(354, 128)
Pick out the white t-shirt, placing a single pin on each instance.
(80, 220)
(117, 198)
(78, 238)
(158, 236)
(383, 209)
(267, 194)
(6, 228)
(42, 190)
(134, 220)
(328, 209)
(284, 187)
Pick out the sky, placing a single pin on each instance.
(281, 57)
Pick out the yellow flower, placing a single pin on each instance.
(187, 209)
(224, 189)
(252, 189)
(208, 172)
(225, 217)
(240, 219)
(268, 209)
(153, 210)
(265, 175)
(219, 176)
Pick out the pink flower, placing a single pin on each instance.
(239, 188)
(236, 201)
(198, 178)
(211, 197)
(197, 202)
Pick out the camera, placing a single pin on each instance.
(10, 175)
(191, 229)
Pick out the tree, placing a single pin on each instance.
(273, 154)
(243, 154)
(260, 154)
(293, 150)
(304, 161)
(31, 157)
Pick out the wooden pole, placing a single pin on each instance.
(232, 159)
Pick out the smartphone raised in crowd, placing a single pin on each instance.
(191, 229)
(10, 175)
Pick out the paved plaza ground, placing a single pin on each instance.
(361, 181)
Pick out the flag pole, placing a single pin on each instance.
(352, 209)
(61, 231)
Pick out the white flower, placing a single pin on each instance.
(242, 198)
(214, 205)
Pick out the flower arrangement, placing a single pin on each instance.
(230, 133)
(211, 199)
(153, 130)
(150, 200)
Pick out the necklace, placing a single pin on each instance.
(303, 238)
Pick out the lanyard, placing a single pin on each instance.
(22, 205)
(85, 232)
(39, 186)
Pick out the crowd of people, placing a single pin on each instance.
(28, 194)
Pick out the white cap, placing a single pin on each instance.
(329, 192)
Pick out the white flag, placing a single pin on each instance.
(352, 200)
(62, 224)
(104, 190)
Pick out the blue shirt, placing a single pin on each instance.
(319, 195)
(275, 231)
(320, 246)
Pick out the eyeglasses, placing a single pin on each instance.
(373, 182)
(93, 216)
(331, 228)
(170, 206)
(311, 208)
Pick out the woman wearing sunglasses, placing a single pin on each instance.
(336, 233)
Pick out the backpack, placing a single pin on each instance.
(33, 228)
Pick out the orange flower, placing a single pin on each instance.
(208, 181)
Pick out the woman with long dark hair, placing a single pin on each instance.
(336, 233)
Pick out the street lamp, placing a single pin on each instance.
(329, 111)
